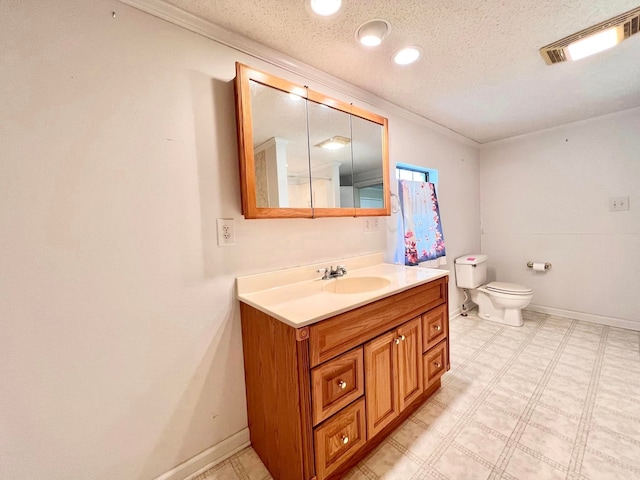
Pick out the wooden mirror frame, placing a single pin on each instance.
(250, 210)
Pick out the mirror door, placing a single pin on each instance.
(330, 159)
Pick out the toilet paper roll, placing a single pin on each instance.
(538, 267)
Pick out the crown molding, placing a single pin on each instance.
(555, 128)
(188, 21)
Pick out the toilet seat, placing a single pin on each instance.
(508, 288)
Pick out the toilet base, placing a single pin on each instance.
(512, 317)
(488, 311)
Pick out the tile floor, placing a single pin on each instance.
(554, 399)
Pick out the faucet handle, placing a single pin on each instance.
(340, 270)
(325, 271)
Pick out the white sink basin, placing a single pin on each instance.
(355, 284)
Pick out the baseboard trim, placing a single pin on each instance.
(190, 469)
(586, 317)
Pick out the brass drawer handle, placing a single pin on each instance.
(437, 327)
(342, 384)
(437, 365)
(345, 439)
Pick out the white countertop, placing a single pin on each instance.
(295, 296)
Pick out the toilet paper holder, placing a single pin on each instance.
(547, 265)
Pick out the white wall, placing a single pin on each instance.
(120, 348)
(544, 197)
(458, 189)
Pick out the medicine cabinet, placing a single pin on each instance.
(304, 154)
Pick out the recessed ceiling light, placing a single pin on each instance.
(372, 33)
(334, 143)
(325, 8)
(407, 55)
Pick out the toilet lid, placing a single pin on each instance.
(504, 287)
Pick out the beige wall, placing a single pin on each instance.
(545, 198)
(120, 348)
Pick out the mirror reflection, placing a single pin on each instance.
(367, 145)
(280, 148)
(330, 156)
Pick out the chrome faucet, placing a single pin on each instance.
(330, 272)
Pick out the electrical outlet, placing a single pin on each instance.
(618, 204)
(226, 232)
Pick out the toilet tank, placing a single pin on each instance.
(471, 270)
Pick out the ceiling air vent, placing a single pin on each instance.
(625, 25)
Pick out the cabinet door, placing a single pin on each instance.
(410, 378)
(381, 382)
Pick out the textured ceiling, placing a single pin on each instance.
(480, 75)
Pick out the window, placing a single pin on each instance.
(404, 171)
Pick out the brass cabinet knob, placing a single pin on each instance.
(403, 338)
(345, 439)
(437, 365)
(397, 340)
(342, 384)
(437, 327)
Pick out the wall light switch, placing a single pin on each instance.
(226, 232)
(618, 204)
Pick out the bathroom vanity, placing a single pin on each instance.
(329, 375)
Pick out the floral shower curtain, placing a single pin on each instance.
(423, 238)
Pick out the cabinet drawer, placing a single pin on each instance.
(339, 438)
(434, 327)
(435, 363)
(336, 384)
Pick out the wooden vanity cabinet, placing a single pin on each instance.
(319, 398)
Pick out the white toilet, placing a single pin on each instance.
(497, 301)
